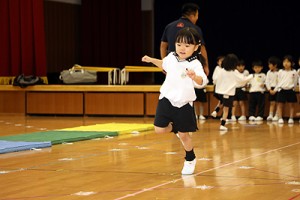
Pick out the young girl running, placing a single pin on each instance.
(175, 111)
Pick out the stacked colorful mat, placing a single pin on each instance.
(45, 139)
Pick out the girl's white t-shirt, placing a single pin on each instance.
(178, 88)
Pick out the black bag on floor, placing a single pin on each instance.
(24, 81)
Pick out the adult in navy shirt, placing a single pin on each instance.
(189, 18)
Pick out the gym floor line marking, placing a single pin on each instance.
(221, 166)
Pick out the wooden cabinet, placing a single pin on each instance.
(54, 103)
(151, 103)
(110, 103)
(12, 102)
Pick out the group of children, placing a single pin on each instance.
(279, 83)
(185, 83)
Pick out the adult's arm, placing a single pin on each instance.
(163, 49)
(204, 54)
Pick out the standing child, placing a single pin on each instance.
(271, 82)
(298, 71)
(240, 94)
(257, 92)
(285, 88)
(227, 80)
(199, 102)
(175, 111)
(218, 97)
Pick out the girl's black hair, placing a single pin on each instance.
(190, 35)
(289, 58)
(241, 62)
(257, 63)
(274, 61)
(230, 62)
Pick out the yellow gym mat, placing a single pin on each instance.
(121, 128)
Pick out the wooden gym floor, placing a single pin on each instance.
(250, 161)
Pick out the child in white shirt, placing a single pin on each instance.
(285, 88)
(271, 82)
(218, 97)
(175, 111)
(227, 80)
(240, 95)
(257, 92)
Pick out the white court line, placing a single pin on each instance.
(221, 166)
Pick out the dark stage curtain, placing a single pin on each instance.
(111, 33)
(22, 38)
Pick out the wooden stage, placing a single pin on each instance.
(250, 161)
(91, 100)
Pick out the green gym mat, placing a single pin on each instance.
(58, 137)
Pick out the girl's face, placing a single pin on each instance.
(272, 67)
(240, 68)
(257, 69)
(185, 50)
(287, 64)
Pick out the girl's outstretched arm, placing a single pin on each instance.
(155, 61)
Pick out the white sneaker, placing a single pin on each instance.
(201, 117)
(275, 118)
(233, 118)
(251, 118)
(214, 114)
(280, 121)
(188, 167)
(242, 118)
(291, 121)
(259, 118)
(223, 128)
(270, 118)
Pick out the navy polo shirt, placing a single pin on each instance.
(170, 32)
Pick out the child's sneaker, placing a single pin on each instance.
(188, 167)
(291, 121)
(214, 114)
(270, 118)
(201, 117)
(252, 118)
(275, 118)
(242, 118)
(259, 118)
(233, 118)
(280, 121)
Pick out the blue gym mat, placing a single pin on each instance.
(13, 146)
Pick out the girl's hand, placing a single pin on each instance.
(146, 59)
(191, 74)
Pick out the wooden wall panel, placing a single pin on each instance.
(114, 103)
(54, 103)
(12, 102)
(151, 103)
